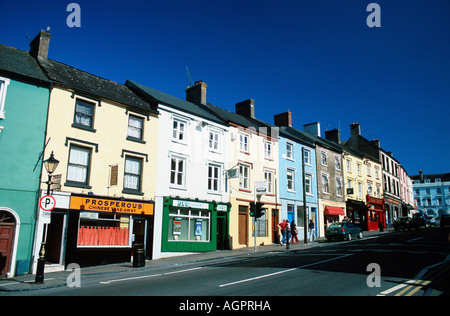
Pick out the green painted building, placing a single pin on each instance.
(24, 97)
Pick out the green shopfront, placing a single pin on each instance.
(194, 226)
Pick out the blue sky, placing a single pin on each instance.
(318, 59)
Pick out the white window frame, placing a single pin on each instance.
(176, 130)
(212, 179)
(307, 153)
(323, 154)
(244, 177)
(244, 142)
(308, 183)
(214, 141)
(290, 180)
(3, 88)
(268, 150)
(268, 176)
(337, 162)
(289, 151)
(175, 184)
(339, 186)
(325, 183)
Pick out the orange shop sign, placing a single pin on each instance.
(105, 205)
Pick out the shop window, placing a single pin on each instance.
(103, 230)
(189, 225)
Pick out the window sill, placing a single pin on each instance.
(77, 185)
(86, 128)
(134, 192)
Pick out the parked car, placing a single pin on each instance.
(403, 223)
(445, 220)
(343, 230)
(419, 220)
(431, 220)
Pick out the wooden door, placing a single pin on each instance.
(243, 225)
(6, 247)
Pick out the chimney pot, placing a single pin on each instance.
(355, 129)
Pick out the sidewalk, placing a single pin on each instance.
(58, 279)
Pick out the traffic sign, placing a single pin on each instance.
(47, 203)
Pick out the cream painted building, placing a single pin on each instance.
(253, 150)
(105, 138)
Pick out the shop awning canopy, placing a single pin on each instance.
(330, 210)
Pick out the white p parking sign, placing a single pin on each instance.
(47, 203)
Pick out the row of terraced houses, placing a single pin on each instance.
(139, 166)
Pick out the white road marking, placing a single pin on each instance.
(283, 271)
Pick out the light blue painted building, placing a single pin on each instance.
(291, 144)
(432, 194)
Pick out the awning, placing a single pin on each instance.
(330, 210)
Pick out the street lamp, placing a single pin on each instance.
(50, 165)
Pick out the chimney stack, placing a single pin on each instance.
(283, 119)
(197, 93)
(312, 129)
(355, 129)
(333, 135)
(376, 143)
(246, 108)
(40, 44)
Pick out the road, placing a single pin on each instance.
(412, 263)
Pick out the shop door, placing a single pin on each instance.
(6, 247)
(139, 231)
(243, 225)
(275, 221)
(222, 231)
(54, 242)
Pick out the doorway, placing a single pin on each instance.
(7, 231)
(243, 225)
(222, 231)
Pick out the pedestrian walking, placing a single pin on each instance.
(283, 229)
(311, 227)
(294, 232)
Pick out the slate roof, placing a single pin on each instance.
(155, 96)
(241, 120)
(20, 63)
(297, 135)
(445, 177)
(91, 84)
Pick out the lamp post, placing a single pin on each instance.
(50, 165)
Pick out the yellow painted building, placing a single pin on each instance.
(105, 138)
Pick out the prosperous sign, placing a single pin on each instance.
(104, 205)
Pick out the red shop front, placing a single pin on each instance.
(376, 217)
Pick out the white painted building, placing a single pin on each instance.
(192, 157)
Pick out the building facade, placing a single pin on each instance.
(431, 194)
(104, 137)
(191, 203)
(24, 95)
(298, 177)
(330, 179)
(253, 151)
